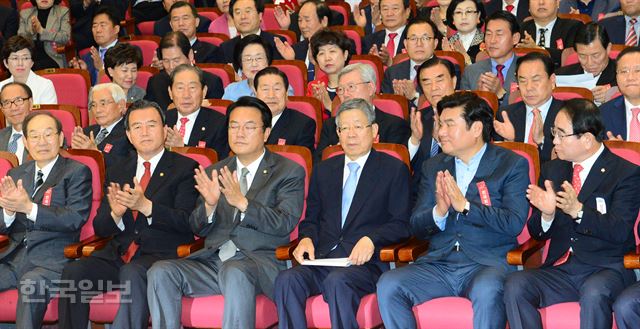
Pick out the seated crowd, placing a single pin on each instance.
(415, 118)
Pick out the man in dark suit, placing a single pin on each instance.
(175, 50)
(589, 223)
(82, 12)
(163, 25)
(593, 47)
(359, 81)
(249, 205)
(547, 30)
(471, 207)
(105, 29)
(374, 213)
(16, 100)
(108, 103)
(389, 41)
(44, 205)
(184, 18)
(190, 124)
(518, 8)
(288, 127)
(531, 119)
(626, 307)
(8, 23)
(497, 73)
(420, 43)
(148, 198)
(630, 20)
(247, 16)
(620, 115)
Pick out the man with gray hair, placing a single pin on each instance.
(373, 188)
(108, 103)
(359, 81)
(16, 100)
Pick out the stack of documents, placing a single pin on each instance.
(336, 262)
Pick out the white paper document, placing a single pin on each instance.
(585, 80)
(337, 262)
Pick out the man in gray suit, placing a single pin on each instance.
(16, 99)
(248, 205)
(44, 204)
(497, 73)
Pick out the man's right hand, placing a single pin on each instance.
(443, 203)
(417, 130)
(78, 63)
(505, 129)
(117, 209)
(81, 141)
(304, 246)
(544, 200)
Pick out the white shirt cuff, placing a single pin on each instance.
(441, 222)
(34, 212)
(545, 225)
(8, 220)
(120, 224)
(413, 149)
(149, 219)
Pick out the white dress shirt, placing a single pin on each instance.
(547, 34)
(628, 115)
(189, 125)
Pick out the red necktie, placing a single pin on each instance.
(499, 68)
(632, 38)
(534, 126)
(183, 126)
(510, 8)
(144, 181)
(577, 185)
(391, 45)
(634, 128)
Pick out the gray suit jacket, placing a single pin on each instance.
(56, 225)
(276, 198)
(473, 72)
(5, 136)
(57, 32)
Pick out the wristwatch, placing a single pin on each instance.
(467, 206)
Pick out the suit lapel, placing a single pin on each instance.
(199, 127)
(486, 167)
(52, 179)
(366, 184)
(334, 183)
(262, 175)
(160, 174)
(621, 117)
(280, 128)
(520, 121)
(596, 175)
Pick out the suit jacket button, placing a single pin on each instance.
(459, 235)
(135, 232)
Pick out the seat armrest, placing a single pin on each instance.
(98, 244)
(390, 253)
(411, 251)
(521, 255)
(4, 241)
(75, 250)
(185, 250)
(286, 252)
(632, 259)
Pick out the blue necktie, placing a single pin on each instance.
(434, 148)
(102, 52)
(311, 72)
(13, 143)
(349, 189)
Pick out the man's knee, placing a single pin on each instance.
(628, 302)
(132, 272)
(160, 271)
(389, 284)
(515, 284)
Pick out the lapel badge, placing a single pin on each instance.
(264, 171)
(602, 170)
(203, 128)
(161, 174)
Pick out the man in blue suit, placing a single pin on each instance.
(620, 115)
(471, 206)
(631, 19)
(374, 213)
(586, 206)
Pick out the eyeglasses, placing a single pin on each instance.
(424, 38)
(248, 128)
(19, 59)
(357, 129)
(466, 12)
(18, 101)
(628, 71)
(250, 60)
(557, 133)
(352, 87)
(101, 103)
(47, 136)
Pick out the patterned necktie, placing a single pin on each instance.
(500, 75)
(13, 143)
(415, 80)
(575, 179)
(632, 38)
(349, 189)
(634, 128)
(101, 136)
(534, 126)
(183, 126)
(38, 183)
(391, 45)
(228, 249)
(144, 181)
(542, 41)
(510, 8)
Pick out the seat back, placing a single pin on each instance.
(288, 35)
(146, 28)
(355, 33)
(8, 161)
(373, 61)
(147, 44)
(566, 93)
(213, 38)
(454, 57)
(583, 18)
(302, 156)
(311, 107)
(67, 118)
(209, 12)
(269, 21)
(95, 161)
(203, 156)
(341, 7)
(218, 105)
(223, 71)
(490, 98)
(72, 87)
(144, 74)
(296, 72)
(392, 104)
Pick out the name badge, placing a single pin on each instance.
(513, 87)
(46, 199)
(559, 44)
(202, 144)
(107, 148)
(601, 16)
(282, 141)
(485, 198)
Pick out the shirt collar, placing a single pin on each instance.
(252, 167)
(544, 108)
(628, 106)
(154, 160)
(507, 64)
(590, 161)
(109, 45)
(46, 170)
(400, 30)
(548, 26)
(475, 160)
(14, 131)
(274, 119)
(192, 117)
(259, 33)
(110, 127)
(360, 161)
(192, 41)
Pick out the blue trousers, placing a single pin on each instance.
(627, 308)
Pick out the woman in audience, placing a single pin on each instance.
(466, 17)
(47, 24)
(331, 52)
(122, 62)
(17, 57)
(224, 23)
(437, 14)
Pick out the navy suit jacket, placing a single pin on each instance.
(210, 127)
(120, 145)
(157, 88)
(204, 52)
(614, 117)
(492, 6)
(487, 232)
(564, 32)
(294, 128)
(377, 38)
(599, 239)
(424, 151)
(379, 210)
(162, 26)
(8, 23)
(616, 29)
(173, 196)
(518, 115)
